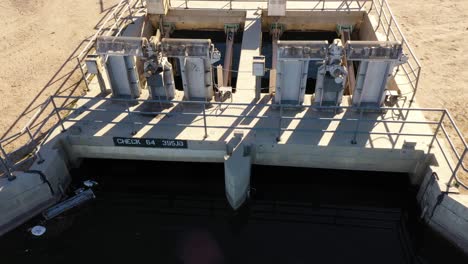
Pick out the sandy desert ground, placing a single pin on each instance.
(38, 42)
(38, 39)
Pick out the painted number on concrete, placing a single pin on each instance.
(150, 142)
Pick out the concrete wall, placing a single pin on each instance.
(200, 19)
(446, 213)
(312, 156)
(28, 195)
(313, 21)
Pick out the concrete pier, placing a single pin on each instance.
(237, 164)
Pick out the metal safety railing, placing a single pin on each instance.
(112, 25)
(320, 5)
(32, 132)
(438, 135)
(389, 27)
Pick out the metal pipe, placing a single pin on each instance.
(43, 124)
(83, 75)
(452, 146)
(130, 11)
(228, 58)
(456, 129)
(415, 86)
(58, 115)
(436, 132)
(274, 62)
(10, 176)
(283, 129)
(6, 164)
(254, 104)
(380, 14)
(389, 27)
(455, 171)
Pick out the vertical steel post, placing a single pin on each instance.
(415, 86)
(5, 163)
(30, 134)
(459, 164)
(380, 15)
(7, 170)
(130, 11)
(436, 131)
(115, 17)
(186, 4)
(83, 75)
(389, 27)
(204, 120)
(36, 149)
(58, 115)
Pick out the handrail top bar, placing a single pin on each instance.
(401, 33)
(249, 104)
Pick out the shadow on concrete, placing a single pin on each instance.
(345, 131)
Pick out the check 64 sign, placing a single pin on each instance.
(150, 142)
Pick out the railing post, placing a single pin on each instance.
(30, 134)
(38, 130)
(354, 140)
(204, 120)
(415, 86)
(36, 149)
(370, 8)
(130, 11)
(58, 114)
(455, 171)
(115, 17)
(278, 139)
(186, 4)
(389, 27)
(380, 15)
(437, 131)
(83, 75)
(5, 163)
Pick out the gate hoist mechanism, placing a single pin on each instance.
(196, 57)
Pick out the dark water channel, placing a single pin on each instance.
(167, 212)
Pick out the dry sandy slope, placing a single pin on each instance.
(37, 38)
(438, 32)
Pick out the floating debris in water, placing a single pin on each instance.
(38, 230)
(68, 204)
(80, 190)
(90, 183)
